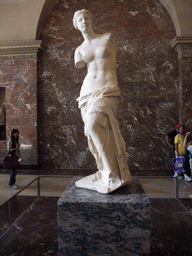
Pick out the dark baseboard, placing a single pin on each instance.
(25, 167)
(37, 170)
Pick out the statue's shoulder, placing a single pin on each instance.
(109, 36)
(78, 49)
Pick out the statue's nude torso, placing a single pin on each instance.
(99, 56)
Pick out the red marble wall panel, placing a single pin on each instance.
(147, 69)
(186, 79)
(19, 78)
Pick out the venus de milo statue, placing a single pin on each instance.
(99, 96)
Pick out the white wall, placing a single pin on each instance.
(19, 19)
(181, 14)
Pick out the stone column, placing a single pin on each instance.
(18, 74)
(183, 46)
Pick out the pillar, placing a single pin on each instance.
(183, 46)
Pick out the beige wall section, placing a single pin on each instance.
(19, 19)
(181, 14)
(184, 13)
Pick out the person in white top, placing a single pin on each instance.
(98, 101)
(188, 145)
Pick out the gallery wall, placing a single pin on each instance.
(39, 83)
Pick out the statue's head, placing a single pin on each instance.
(77, 13)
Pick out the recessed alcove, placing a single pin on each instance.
(147, 70)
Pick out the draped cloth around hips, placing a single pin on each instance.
(100, 107)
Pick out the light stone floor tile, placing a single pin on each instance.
(5, 192)
(165, 187)
(52, 186)
(184, 190)
(49, 186)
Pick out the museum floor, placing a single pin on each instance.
(35, 210)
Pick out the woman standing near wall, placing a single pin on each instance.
(13, 149)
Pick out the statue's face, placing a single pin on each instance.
(84, 22)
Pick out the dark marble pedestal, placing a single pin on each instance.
(90, 223)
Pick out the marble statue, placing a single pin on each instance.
(99, 96)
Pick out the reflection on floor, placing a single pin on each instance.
(35, 232)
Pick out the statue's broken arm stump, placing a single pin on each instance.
(95, 224)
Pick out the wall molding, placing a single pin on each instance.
(182, 45)
(19, 50)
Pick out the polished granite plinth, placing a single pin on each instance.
(94, 224)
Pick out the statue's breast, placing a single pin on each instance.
(88, 55)
(98, 50)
